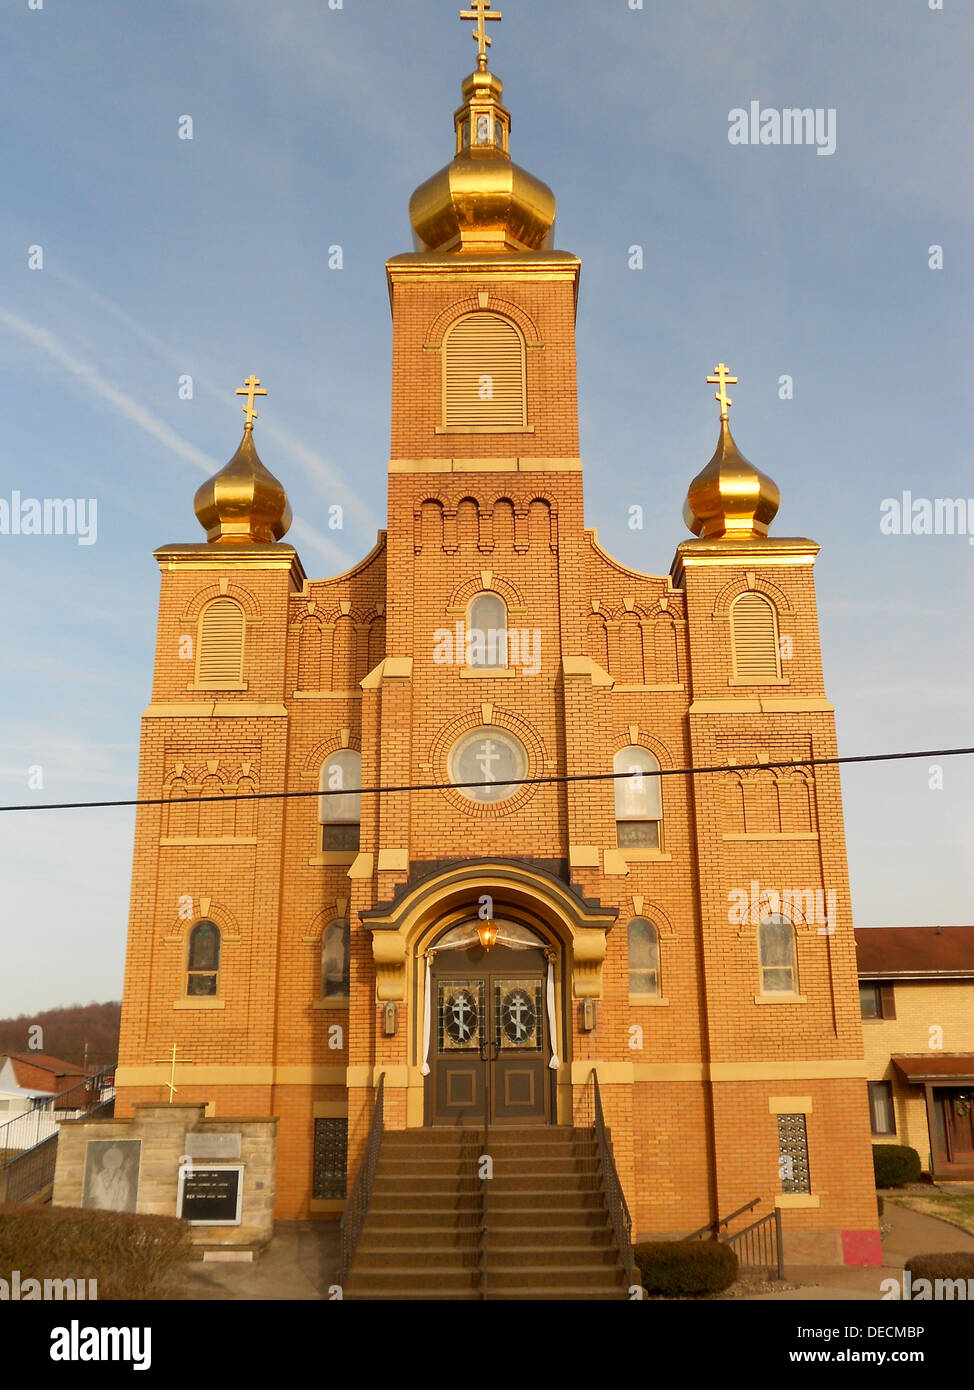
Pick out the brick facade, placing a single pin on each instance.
(626, 658)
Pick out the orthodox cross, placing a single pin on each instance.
(172, 1070)
(723, 380)
(481, 12)
(250, 389)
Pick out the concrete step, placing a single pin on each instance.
(422, 1261)
(531, 1202)
(540, 1276)
(507, 1256)
(408, 1276)
(426, 1202)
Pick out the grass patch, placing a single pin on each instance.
(955, 1208)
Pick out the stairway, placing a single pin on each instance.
(549, 1235)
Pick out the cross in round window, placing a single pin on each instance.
(489, 759)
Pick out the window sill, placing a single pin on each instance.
(204, 1002)
(330, 1004)
(333, 858)
(781, 999)
(482, 673)
(764, 681)
(484, 429)
(220, 685)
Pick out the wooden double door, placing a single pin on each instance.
(490, 1038)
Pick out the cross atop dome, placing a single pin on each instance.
(482, 13)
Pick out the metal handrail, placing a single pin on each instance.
(614, 1196)
(755, 1239)
(714, 1226)
(357, 1206)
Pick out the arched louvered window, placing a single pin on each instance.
(776, 949)
(483, 375)
(339, 815)
(639, 804)
(643, 957)
(334, 961)
(204, 959)
(754, 636)
(220, 644)
(486, 637)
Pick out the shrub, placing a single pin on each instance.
(681, 1267)
(879, 1207)
(957, 1264)
(895, 1165)
(131, 1256)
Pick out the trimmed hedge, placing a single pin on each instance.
(131, 1256)
(895, 1165)
(957, 1264)
(680, 1267)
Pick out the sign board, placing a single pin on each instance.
(211, 1195)
(206, 1144)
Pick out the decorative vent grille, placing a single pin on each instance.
(330, 1160)
(755, 637)
(221, 643)
(793, 1154)
(484, 374)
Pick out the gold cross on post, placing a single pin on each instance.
(250, 389)
(481, 12)
(172, 1070)
(723, 380)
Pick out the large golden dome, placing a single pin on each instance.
(482, 202)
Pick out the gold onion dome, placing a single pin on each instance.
(730, 499)
(482, 203)
(244, 504)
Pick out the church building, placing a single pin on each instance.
(492, 812)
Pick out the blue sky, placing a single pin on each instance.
(311, 126)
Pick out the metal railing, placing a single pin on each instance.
(30, 1171)
(759, 1245)
(40, 1121)
(357, 1206)
(614, 1197)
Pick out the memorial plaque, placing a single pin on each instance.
(209, 1145)
(211, 1195)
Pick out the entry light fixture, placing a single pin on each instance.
(487, 931)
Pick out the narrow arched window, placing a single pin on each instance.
(486, 636)
(483, 375)
(776, 950)
(335, 942)
(643, 957)
(203, 970)
(340, 802)
(639, 805)
(754, 638)
(220, 644)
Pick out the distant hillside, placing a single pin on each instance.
(65, 1032)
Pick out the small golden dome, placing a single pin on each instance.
(483, 203)
(243, 504)
(730, 498)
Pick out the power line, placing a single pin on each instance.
(513, 782)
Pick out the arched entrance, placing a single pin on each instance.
(488, 1036)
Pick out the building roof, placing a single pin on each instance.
(906, 953)
(36, 1071)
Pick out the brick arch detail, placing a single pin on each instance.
(444, 739)
(333, 744)
(647, 741)
(236, 591)
(738, 586)
(467, 588)
(655, 914)
(462, 308)
(218, 913)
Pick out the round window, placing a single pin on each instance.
(487, 760)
